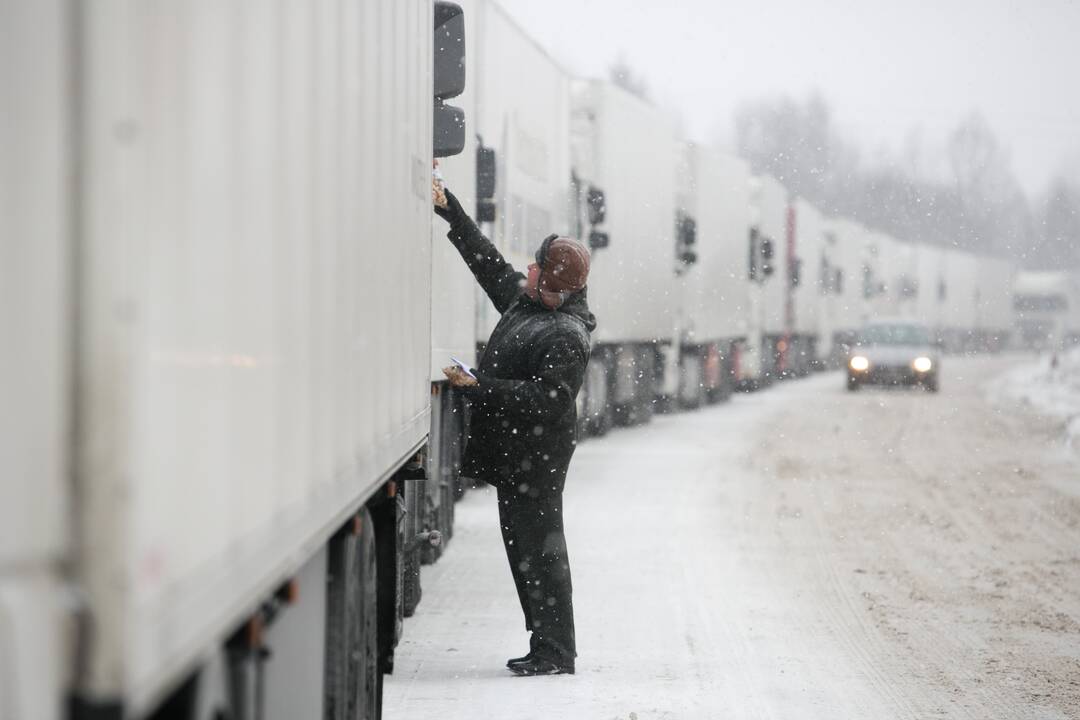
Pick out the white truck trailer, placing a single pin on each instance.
(846, 302)
(1046, 309)
(959, 294)
(993, 302)
(714, 318)
(216, 280)
(927, 278)
(769, 202)
(879, 258)
(36, 536)
(809, 339)
(627, 148)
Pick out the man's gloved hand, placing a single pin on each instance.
(438, 193)
(458, 377)
(450, 209)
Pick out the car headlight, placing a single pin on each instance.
(922, 364)
(859, 363)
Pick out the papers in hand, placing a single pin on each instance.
(468, 370)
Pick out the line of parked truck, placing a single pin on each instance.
(227, 445)
(706, 278)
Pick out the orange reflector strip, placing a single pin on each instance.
(391, 489)
(255, 631)
(357, 524)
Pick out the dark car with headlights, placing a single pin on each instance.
(895, 352)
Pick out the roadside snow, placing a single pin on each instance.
(1048, 388)
(803, 553)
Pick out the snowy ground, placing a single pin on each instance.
(1048, 386)
(799, 553)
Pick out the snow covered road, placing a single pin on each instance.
(798, 553)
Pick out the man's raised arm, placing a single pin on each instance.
(498, 278)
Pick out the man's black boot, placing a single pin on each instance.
(519, 660)
(540, 666)
(527, 657)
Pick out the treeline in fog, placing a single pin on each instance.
(964, 193)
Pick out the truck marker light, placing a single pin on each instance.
(289, 593)
(254, 631)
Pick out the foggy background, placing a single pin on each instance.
(954, 123)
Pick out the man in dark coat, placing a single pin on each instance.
(524, 420)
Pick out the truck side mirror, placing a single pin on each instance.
(449, 130)
(449, 50)
(485, 211)
(685, 240)
(753, 265)
(485, 183)
(767, 251)
(485, 172)
(449, 79)
(598, 240)
(597, 204)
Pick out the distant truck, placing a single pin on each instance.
(1046, 307)
(213, 427)
(624, 158)
(712, 227)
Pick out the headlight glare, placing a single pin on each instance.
(859, 363)
(922, 364)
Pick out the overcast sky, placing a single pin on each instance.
(885, 67)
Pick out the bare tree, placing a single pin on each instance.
(993, 209)
(980, 208)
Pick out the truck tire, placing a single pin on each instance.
(600, 388)
(853, 383)
(353, 680)
(691, 380)
(447, 510)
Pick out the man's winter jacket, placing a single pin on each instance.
(524, 418)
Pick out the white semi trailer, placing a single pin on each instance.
(36, 536)
(216, 268)
(928, 262)
(993, 302)
(770, 207)
(959, 295)
(809, 339)
(846, 301)
(879, 257)
(715, 220)
(1046, 309)
(624, 156)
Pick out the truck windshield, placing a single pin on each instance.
(894, 335)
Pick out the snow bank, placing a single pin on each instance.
(1049, 388)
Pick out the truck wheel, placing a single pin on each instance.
(446, 508)
(852, 383)
(353, 678)
(932, 383)
(601, 419)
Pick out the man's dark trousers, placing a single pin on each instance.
(532, 530)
